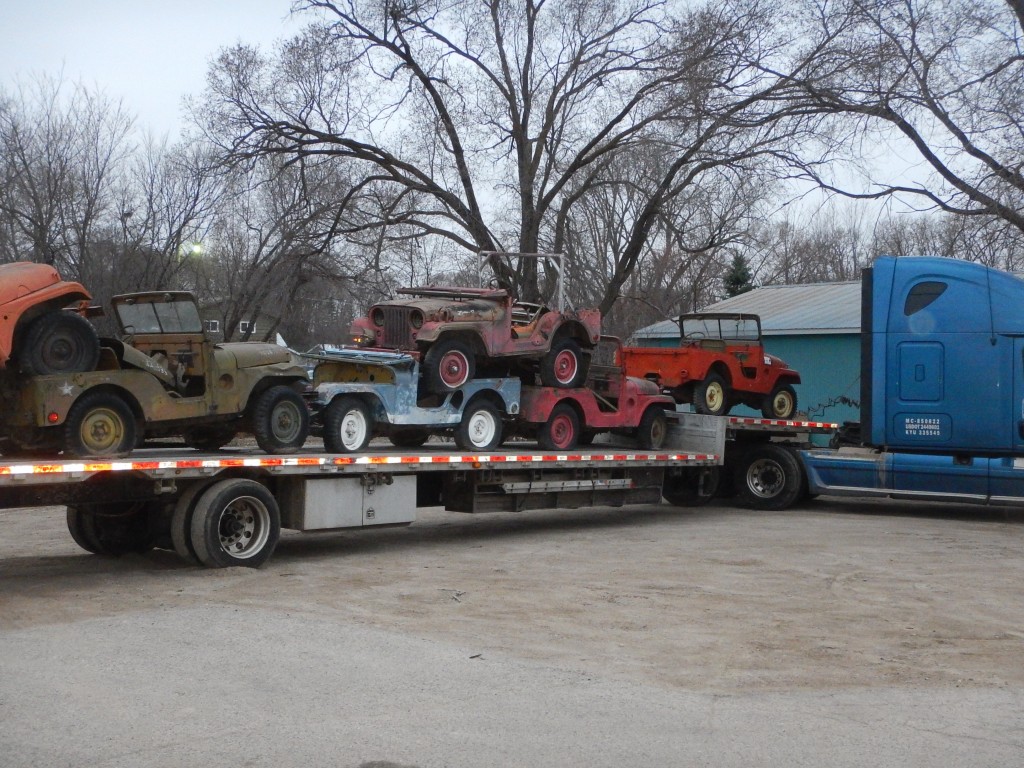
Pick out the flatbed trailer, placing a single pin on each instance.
(228, 508)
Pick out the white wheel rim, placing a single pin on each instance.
(353, 429)
(481, 428)
(244, 527)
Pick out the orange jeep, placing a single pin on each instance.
(720, 362)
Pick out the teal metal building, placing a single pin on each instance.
(814, 327)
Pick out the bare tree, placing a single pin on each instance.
(947, 76)
(496, 118)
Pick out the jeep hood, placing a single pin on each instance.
(249, 354)
(471, 309)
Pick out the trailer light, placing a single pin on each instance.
(53, 417)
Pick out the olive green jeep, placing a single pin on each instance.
(161, 378)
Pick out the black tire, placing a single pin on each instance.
(79, 532)
(348, 425)
(408, 437)
(780, 403)
(562, 429)
(280, 420)
(211, 438)
(564, 365)
(235, 522)
(448, 365)
(711, 396)
(59, 342)
(100, 424)
(112, 529)
(181, 523)
(481, 427)
(653, 428)
(768, 476)
(691, 486)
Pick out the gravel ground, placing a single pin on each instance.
(841, 633)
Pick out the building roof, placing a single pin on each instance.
(785, 310)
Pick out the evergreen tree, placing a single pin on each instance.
(738, 279)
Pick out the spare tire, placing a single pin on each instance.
(59, 342)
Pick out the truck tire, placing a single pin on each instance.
(348, 425)
(711, 396)
(562, 429)
(235, 522)
(100, 424)
(653, 428)
(480, 428)
(448, 365)
(768, 476)
(408, 437)
(59, 342)
(564, 366)
(690, 486)
(280, 420)
(780, 403)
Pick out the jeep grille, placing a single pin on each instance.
(397, 329)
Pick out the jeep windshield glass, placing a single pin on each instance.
(727, 328)
(159, 317)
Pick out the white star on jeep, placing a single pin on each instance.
(67, 388)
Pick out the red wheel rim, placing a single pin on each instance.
(562, 431)
(454, 369)
(566, 366)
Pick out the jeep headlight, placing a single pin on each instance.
(377, 317)
(416, 319)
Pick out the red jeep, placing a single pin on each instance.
(458, 331)
(720, 362)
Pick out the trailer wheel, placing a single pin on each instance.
(564, 365)
(711, 396)
(653, 428)
(447, 365)
(480, 428)
(562, 429)
(99, 424)
(181, 523)
(348, 425)
(235, 522)
(780, 404)
(280, 420)
(113, 529)
(408, 437)
(690, 486)
(59, 342)
(768, 476)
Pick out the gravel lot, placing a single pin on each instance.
(844, 633)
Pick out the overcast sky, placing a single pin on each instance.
(149, 53)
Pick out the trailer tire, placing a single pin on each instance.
(780, 403)
(564, 366)
(81, 535)
(562, 429)
(348, 425)
(100, 424)
(210, 438)
(711, 396)
(181, 523)
(59, 342)
(480, 428)
(690, 486)
(653, 428)
(280, 420)
(768, 476)
(235, 522)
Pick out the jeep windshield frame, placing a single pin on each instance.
(171, 312)
(739, 328)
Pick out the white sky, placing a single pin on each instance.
(148, 53)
